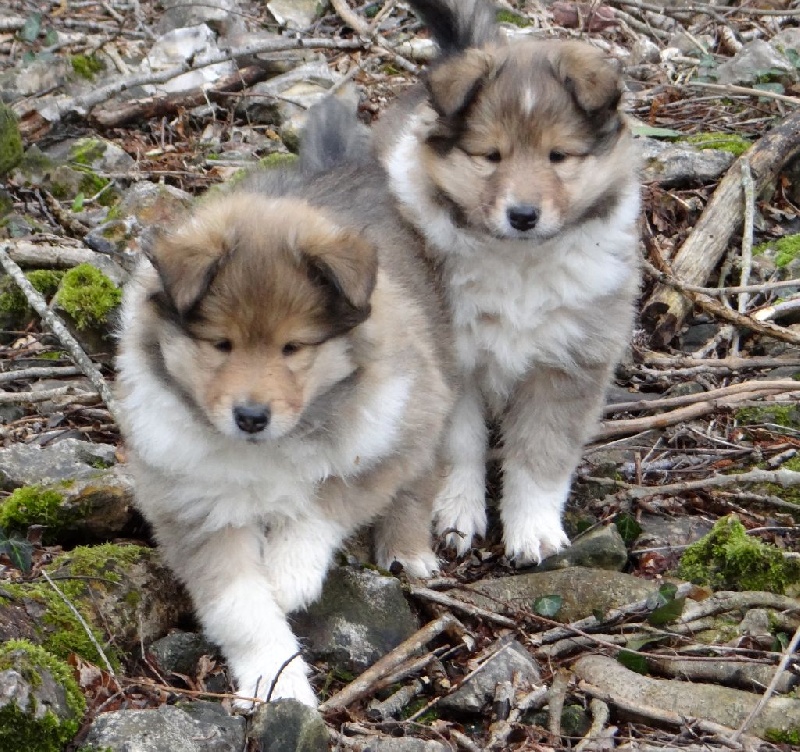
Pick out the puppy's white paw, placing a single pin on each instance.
(422, 565)
(460, 511)
(534, 538)
(292, 684)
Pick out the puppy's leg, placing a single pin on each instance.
(235, 603)
(403, 534)
(549, 417)
(298, 555)
(460, 510)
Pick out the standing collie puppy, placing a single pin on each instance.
(284, 378)
(516, 166)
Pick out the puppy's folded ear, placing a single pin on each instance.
(345, 265)
(455, 82)
(590, 77)
(187, 261)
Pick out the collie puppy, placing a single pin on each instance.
(515, 165)
(284, 380)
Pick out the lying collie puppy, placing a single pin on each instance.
(284, 380)
(518, 169)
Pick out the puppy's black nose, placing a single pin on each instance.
(251, 417)
(523, 217)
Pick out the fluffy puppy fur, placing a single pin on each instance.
(518, 169)
(284, 380)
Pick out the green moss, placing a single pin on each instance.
(88, 296)
(37, 729)
(509, 17)
(10, 140)
(35, 505)
(91, 184)
(779, 736)
(786, 249)
(787, 416)
(87, 151)
(87, 66)
(727, 558)
(277, 159)
(13, 303)
(729, 142)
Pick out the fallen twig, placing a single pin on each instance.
(58, 328)
(744, 90)
(443, 599)
(73, 393)
(362, 685)
(38, 373)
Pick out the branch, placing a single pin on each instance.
(58, 328)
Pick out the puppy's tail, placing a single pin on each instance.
(458, 24)
(333, 135)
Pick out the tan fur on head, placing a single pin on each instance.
(526, 129)
(262, 291)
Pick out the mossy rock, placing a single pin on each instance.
(43, 708)
(785, 416)
(728, 559)
(730, 142)
(124, 595)
(87, 66)
(88, 297)
(785, 250)
(10, 140)
(15, 312)
(515, 19)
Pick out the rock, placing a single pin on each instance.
(665, 532)
(66, 460)
(44, 73)
(684, 389)
(179, 652)
(123, 593)
(285, 99)
(10, 141)
(361, 616)
(40, 703)
(673, 165)
(392, 744)
(289, 726)
(475, 692)
(723, 705)
(92, 153)
(188, 727)
(222, 16)
(90, 509)
(296, 14)
(697, 335)
(154, 203)
(584, 591)
(601, 548)
(787, 39)
(176, 47)
(756, 60)
(644, 50)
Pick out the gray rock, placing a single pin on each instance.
(296, 14)
(94, 153)
(221, 15)
(33, 703)
(756, 59)
(45, 73)
(676, 164)
(787, 39)
(584, 591)
(601, 548)
(664, 532)
(179, 652)
(392, 744)
(289, 726)
(190, 727)
(361, 616)
(474, 693)
(70, 459)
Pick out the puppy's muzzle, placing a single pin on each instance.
(523, 217)
(251, 417)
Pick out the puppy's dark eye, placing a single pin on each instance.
(223, 345)
(557, 156)
(290, 348)
(493, 156)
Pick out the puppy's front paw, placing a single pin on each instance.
(292, 684)
(533, 539)
(421, 565)
(460, 512)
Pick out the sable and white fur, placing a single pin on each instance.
(284, 380)
(516, 166)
